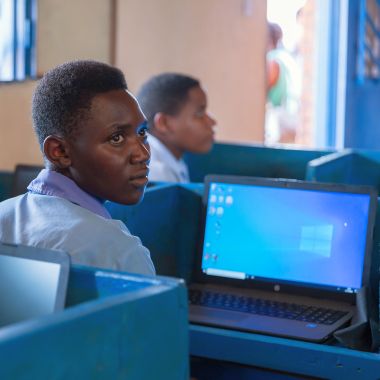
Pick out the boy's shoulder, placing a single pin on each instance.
(8, 205)
(56, 223)
(56, 219)
(53, 212)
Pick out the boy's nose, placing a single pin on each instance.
(141, 153)
(211, 120)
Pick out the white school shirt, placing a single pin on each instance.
(164, 167)
(53, 222)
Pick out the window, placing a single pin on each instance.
(17, 39)
(368, 60)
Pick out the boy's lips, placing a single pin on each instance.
(140, 179)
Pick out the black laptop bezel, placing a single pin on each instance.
(283, 287)
(44, 255)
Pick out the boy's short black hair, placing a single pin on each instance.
(63, 96)
(165, 93)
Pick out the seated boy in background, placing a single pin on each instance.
(175, 106)
(93, 137)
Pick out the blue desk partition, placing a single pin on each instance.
(168, 222)
(349, 166)
(249, 160)
(356, 167)
(6, 182)
(252, 160)
(115, 326)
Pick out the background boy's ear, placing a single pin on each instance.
(162, 123)
(56, 150)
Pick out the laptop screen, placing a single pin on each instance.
(32, 282)
(287, 235)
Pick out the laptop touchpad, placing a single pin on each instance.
(218, 316)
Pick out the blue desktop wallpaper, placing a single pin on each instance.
(287, 234)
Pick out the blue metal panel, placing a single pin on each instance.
(362, 97)
(167, 221)
(354, 167)
(349, 166)
(6, 180)
(333, 167)
(139, 332)
(251, 160)
(280, 354)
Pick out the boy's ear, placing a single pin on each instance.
(162, 123)
(56, 150)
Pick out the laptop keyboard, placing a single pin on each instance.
(265, 307)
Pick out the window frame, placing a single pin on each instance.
(21, 40)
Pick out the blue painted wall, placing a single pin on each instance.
(362, 125)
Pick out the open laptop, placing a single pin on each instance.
(282, 257)
(33, 282)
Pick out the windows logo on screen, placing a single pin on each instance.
(317, 239)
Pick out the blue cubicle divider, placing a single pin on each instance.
(349, 166)
(168, 223)
(6, 182)
(252, 160)
(237, 159)
(115, 326)
(356, 167)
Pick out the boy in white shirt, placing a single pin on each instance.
(93, 137)
(175, 106)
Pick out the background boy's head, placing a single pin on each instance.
(274, 37)
(175, 106)
(91, 129)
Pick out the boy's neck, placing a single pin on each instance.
(175, 151)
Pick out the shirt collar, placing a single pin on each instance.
(177, 165)
(49, 182)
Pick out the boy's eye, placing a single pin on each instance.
(143, 131)
(200, 113)
(116, 139)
